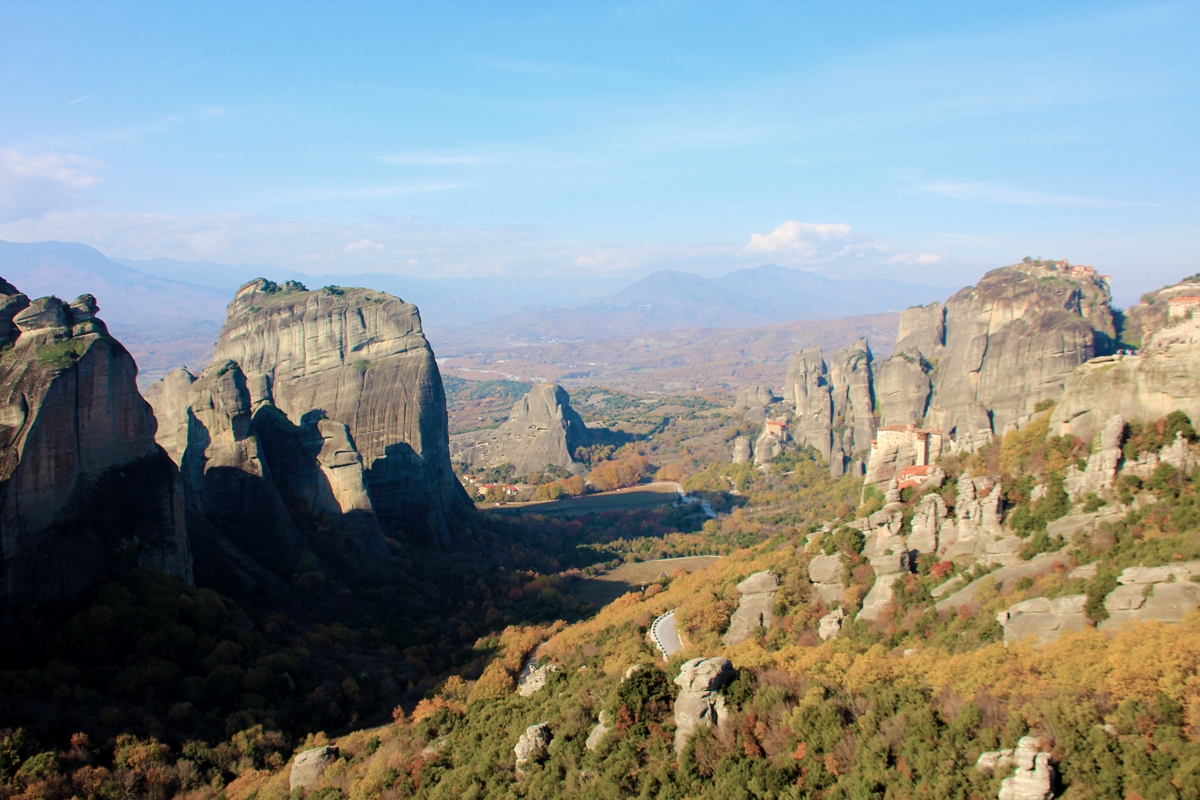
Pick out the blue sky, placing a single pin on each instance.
(923, 142)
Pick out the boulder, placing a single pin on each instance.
(310, 765)
(599, 731)
(535, 681)
(755, 609)
(826, 574)
(698, 703)
(1033, 777)
(533, 746)
(831, 624)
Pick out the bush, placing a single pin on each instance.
(612, 475)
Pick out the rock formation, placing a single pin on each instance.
(533, 746)
(741, 450)
(995, 349)
(831, 624)
(360, 357)
(752, 402)
(542, 429)
(699, 703)
(770, 442)
(825, 572)
(756, 607)
(1043, 619)
(599, 731)
(1160, 594)
(310, 765)
(83, 485)
(1033, 777)
(1139, 388)
(536, 680)
(1102, 464)
(834, 402)
(327, 400)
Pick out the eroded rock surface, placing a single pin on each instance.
(310, 765)
(599, 731)
(1033, 777)
(699, 703)
(1043, 619)
(755, 609)
(83, 484)
(533, 746)
(834, 402)
(826, 574)
(542, 429)
(360, 358)
(1159, 594)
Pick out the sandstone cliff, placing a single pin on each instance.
(326, 402)
(834, 402)
(83, 485)
(1158, 379)
(997, 348)
(361, 358)
(542, 429)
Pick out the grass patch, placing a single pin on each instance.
(365, 366)
(62, 355)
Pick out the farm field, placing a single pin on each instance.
(603, 589)
(634, 498)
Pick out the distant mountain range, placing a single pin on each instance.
(670, 300)
(168, 312)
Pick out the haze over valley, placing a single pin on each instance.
(537, 401)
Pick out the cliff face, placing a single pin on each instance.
(1159, 379)
(360, 358)
(542, 429)
(83, 485)
(274, 427)
(997, 348)
(834, 402)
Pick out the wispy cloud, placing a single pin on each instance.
(1006, 194)
(432, 159)
(31, 185)
(362, 244)
(807, 242)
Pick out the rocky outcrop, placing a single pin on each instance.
(741, 450)
(831, 624)
(825, 572)
(84, 487)
(771, 441)
(995, 349)
(891, 560)
(536, 680)
(756, 607)
(599, 731)
(533, 746)
(1139, 388)
(1101, 470)
(1033, 777)
(834, 402)
(542, 430)
(310, 765)
(752, 402)
(699, 703)
(360, 358)
(1043, 619)
(1159, 594)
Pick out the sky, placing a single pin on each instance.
(919, 142)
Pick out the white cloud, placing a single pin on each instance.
(362, 244)
(31, 185)
(924, 259)
(1005, 194)
(807, 242)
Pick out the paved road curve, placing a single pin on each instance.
(665, 637)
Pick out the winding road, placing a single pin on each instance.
(665, 637)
